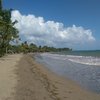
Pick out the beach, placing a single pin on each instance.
(22, 78)
(8, 76)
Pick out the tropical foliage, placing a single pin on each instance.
(31, 48)
(7, 30)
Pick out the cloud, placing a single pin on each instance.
(37, 30)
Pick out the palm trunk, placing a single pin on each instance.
(0, 4)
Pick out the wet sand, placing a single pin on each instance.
(87, 76)
(32, 81)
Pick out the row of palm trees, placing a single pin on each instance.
(26, 47)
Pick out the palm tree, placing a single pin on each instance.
(7, 29)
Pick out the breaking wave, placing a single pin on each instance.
(88, 60)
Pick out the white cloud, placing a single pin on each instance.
(37, 30)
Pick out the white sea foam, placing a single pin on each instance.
(88, 60)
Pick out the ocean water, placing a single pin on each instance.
(83, 57)
(93, 53)
(81, 66)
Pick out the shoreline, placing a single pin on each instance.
(35, 82)
(45, 85)
(84, 75)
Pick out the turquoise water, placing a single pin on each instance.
(83, 57)
(93, 53)
(81, 66)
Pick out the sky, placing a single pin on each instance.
(59, 23)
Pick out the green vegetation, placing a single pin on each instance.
(9, 33)
(7, 30)
(52, 49)
(31, 48)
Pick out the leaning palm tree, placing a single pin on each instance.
(7, 29)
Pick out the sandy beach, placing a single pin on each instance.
(22, 78)
(8, 77)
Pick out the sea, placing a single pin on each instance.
(83, 67)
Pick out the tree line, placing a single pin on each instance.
(8, 33)
(30, 48)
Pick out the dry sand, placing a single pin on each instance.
(7, 75)
(29, 80)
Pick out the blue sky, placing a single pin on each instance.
(71, 13)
